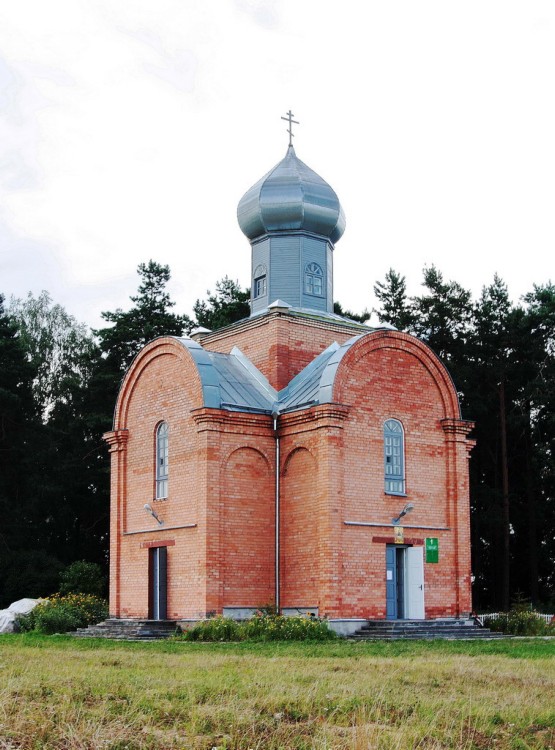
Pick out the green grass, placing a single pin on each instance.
(58, 692)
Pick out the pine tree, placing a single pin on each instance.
(119, 343)
(149, 317)
(17, 416)
(443, 316)
(229, 304)
(396, 308)
(536, 469)
(359, 317)
(24, 563)
(487, 399)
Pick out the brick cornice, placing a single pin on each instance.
(322, 415)
(219, 420)
(116, 439)
(459, 430)
(315, 417)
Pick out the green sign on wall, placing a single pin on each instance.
(432, 550)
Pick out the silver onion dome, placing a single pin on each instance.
(291, 197)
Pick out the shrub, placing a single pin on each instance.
(261, 627)
(215, 629)
(82, 577)
(60, 614)
(520, 621)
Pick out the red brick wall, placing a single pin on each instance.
(385, 375)
(394, 376)
(221, 479)
(300, 532)
(247, 528)
(162, 385)
(238, 516)
(280, 346)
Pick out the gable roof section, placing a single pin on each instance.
(242, 386)
(314, 384)
(232, 382)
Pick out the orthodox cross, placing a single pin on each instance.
(290, 120)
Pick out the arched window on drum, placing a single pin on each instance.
(260, 282)
(314, 280)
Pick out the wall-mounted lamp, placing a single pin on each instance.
(407, 509)
(153, 513)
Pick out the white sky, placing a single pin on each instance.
(130, 129)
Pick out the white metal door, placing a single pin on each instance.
(415, 583)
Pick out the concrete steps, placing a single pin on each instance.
(448, 629)
(129, 630)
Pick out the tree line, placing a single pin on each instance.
(59, 383)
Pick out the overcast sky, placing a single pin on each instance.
(130, 129)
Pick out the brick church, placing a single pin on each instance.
(295, 458)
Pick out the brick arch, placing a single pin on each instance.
(299, 530)
(164, 346)
(380, 340)
(292, 453)
(247, 529)
(230, 456)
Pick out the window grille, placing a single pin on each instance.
(162, 461)
(394, 457)
(260, 286)
(314, 280)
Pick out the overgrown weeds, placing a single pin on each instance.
(262, 626)
(520, 621)
(61, 614)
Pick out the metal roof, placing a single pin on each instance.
(240, 387)
(304, 389)
(291, 197)
(232, 382)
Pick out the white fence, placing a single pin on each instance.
(495, 615)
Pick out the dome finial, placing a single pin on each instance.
(290, 120)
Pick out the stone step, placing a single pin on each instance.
(455, 631)
(424, 637)
(446, 623)
(449, 629)
(131, 630)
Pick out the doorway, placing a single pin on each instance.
(404, 584)
(157, 583)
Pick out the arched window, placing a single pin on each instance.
(314, 279)
(260, 285)
(394, 457)
(162, 461)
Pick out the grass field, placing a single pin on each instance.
(56, 692)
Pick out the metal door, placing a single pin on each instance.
(415, 583)
(158, 583)
(391, 582)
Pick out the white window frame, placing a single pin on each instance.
(260, 286)
(394, 457)
(314, 280)
(161, 460)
